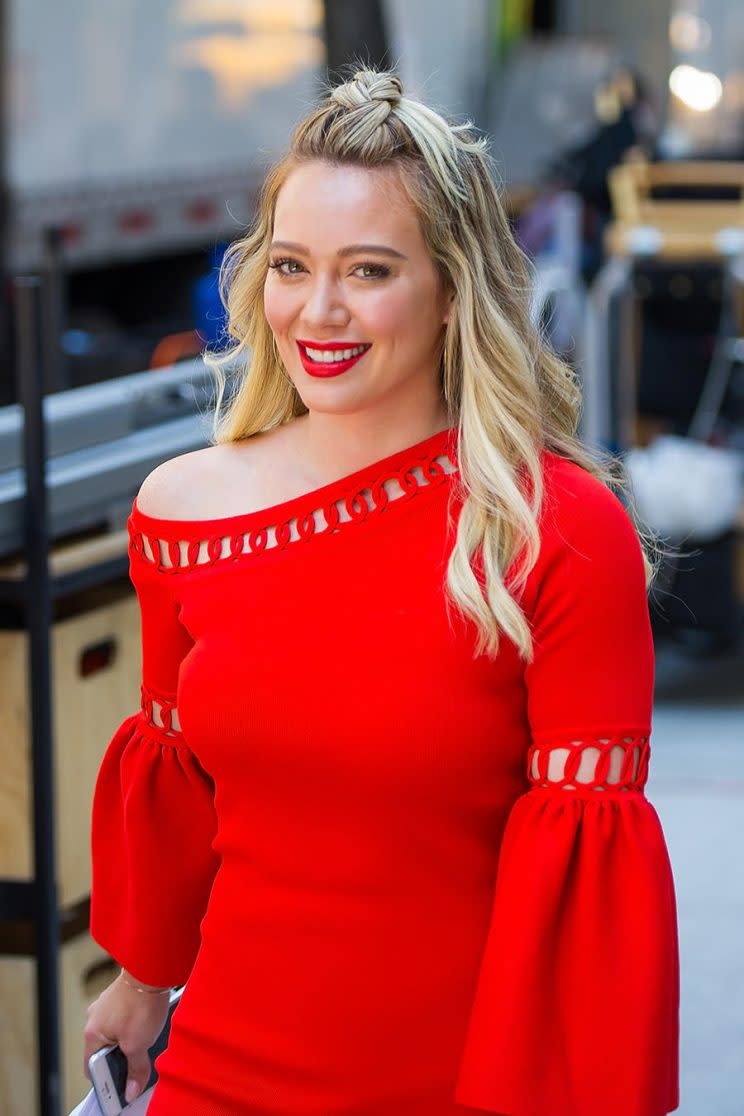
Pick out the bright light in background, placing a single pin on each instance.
(697, 89)
(256, 15)
(688, 32)
(248, 45)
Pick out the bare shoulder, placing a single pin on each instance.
(168, 492)
(216, 481)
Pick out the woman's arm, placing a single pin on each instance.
(153, 817)
(576, 1011)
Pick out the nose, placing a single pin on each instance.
(324, 305)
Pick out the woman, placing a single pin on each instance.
(382, 807)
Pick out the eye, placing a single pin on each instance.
(279, 265)
(373, 270)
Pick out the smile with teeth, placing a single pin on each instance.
(326, 356)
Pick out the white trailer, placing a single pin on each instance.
(139, 127)
(143, 126)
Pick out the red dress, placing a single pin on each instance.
(337, 826)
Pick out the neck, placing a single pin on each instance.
(335, 445)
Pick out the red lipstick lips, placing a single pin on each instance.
(326, 368)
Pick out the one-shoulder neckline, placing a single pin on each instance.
(443, 442)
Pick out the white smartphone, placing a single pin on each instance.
(108, 1066)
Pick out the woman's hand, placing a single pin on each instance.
(131, 1018)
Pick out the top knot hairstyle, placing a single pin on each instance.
(506, 390)
(366, 86)
(373, 124)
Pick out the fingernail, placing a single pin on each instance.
(131, 1090)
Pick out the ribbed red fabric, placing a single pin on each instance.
(346, 833)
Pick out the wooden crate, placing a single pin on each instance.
(85, 970)
(687, 229)
(96, 663)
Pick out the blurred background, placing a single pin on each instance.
(133, 139)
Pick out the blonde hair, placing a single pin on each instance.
(507, 392)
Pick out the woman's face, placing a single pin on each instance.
(351, 280)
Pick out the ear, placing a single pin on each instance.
(449, 301)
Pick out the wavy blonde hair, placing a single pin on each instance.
(507, 392)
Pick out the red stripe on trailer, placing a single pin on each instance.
(201, 210)
(71, 233)
(136, 221)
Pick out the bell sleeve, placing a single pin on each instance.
(576, 1004)
(153, 818)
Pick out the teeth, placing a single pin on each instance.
(327, 357)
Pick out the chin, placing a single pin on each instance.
(328, 399)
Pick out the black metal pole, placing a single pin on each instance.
(53, 296)
(354, 33)
(6, 337)
(29, 317)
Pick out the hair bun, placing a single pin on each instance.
(368, 86)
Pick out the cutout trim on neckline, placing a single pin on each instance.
(447, 438)
(173, 545)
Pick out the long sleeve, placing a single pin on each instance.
(577, 1001)
(153, 818)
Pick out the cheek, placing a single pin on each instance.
(408, 319)
(279, 305)
(390, 315)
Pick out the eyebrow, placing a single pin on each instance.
(349, 250)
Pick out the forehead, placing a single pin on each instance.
(322, 204)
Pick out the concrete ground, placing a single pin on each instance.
(696, 783)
